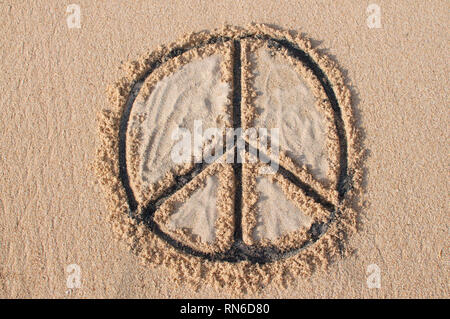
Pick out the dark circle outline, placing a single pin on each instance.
(240, 251)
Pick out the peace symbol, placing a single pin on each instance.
(306, 188)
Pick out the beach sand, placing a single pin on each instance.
(53, 211)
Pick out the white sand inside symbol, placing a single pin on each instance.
(198, 214)
(194, 92)
(276, 215)
(284, 101)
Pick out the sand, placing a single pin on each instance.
(197, 214)
(241, 263)
(192, 93)
(205, 225)
(276, 215)
(285, 102)
(53, 212)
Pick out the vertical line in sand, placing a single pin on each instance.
(237, 167)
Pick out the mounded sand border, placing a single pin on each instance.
(241, 276)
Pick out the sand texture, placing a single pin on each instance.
(197, 214)
(241, 263)
(287, 103)
(276, 216)
(54, 211)
(193, 92)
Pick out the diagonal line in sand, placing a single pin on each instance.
(307, 189)
(180, 182)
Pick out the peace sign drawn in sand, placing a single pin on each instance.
(264, 212)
